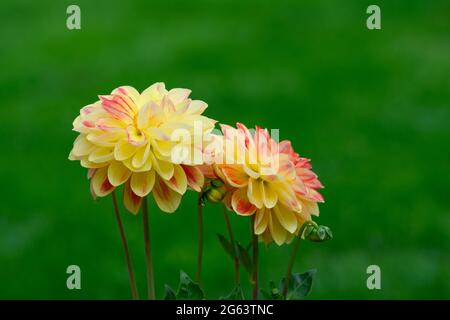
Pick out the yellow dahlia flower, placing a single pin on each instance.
(268, 179)
(149, 141)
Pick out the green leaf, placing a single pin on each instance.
(244, 258)
(235, 294)
(226, 245)
(188, 289)
(299, 285)
(169, 293)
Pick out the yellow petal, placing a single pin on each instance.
(101, 155)
(153, 93)
(85, 163)
(146, 167)
(141, 156)
(178, 182)
(286, 195)
(178, 95)
(142, 182)
(124, 150)
(166, 199)
(118, 173)
(144, 116)
(270, 197)
(163, 168)
(262, 220)
(254, 193)
(106, 139)
(82, 146)
(276, 230)
(164, 148)
(286, 217)
(100, 184)
(310, 207)
(196, 107)
(131, 201)
(135, 136)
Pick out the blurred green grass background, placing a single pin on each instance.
(371, 108)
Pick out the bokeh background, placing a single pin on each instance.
(371, 108)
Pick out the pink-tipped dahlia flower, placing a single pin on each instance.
(128, 138)
(268, 179)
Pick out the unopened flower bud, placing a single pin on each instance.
(214, 192)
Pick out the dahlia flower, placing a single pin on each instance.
(266, 179)
(130, 138)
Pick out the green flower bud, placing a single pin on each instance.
(316, 233)
(214, 192)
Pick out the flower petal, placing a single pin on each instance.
(269, 196)
(100, 184)
(164, 148)
(286, 195)
(207, 171)
(135, 136)
(123, 150)
(178, 95)
(85, 163)
(276, 230)
(310, 208)
(234, 175)
(262, 220)
(166, 199)
(240, 203)
(194, 176)
(131, 201)
(141, 156)
(178, 182)
(82, 146)
(254, 193)
(299, 187)
(118, 173)
(196, 107)
(100, 155)
(106, 138)
(163, 168)
(313, 195)
(286, 218)
(142, 182)
(154, 93)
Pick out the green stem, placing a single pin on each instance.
(255, 259)
(134, 291)
(148, 256)
(200, 239)
(237, 276)
(290, 265)
(287, 277)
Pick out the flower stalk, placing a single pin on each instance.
(307, 227)
(148, 257)
(237, 276)
(134, 291)
(200, 238)
(255, 259)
